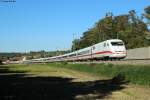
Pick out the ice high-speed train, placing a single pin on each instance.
(109, 49)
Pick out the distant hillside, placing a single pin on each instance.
(30, 55)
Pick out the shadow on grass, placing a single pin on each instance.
(18, 86)
(4, 69)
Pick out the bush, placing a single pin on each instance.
(119, 78)
(64, 63)
(1, 62)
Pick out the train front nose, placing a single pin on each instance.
(118, 54)
(118, 51)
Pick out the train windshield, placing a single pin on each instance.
(117, 43)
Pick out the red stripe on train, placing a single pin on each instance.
(103, 52)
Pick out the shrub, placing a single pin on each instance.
(64, 63)
(1, 62)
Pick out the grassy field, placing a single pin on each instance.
(136, 74)
(45, 82)
(62, 81)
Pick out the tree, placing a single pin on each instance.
(1, 62)
(147, 12)
(75, 44)
(147, 16)
(42, 53)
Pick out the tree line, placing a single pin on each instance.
(30, 55)
(131, 28)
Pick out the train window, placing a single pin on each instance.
(107, 44)
(84, 52)
(104, 44)
(94, 48)
(117, 43)
(72, 55)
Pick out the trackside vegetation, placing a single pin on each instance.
(135, 74)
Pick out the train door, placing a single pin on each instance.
(106, 48)
(91, 52)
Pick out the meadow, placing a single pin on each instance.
(136, 74)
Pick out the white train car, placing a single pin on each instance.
(109, 49)
(113, 48)
(84, 53)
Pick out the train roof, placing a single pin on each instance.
(114, 40)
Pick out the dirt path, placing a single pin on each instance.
(42, 82)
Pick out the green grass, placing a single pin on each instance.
(135, 74)
(31, 68)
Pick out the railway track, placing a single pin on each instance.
(115, 62)
(121, 62)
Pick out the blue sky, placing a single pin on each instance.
(32, 25)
